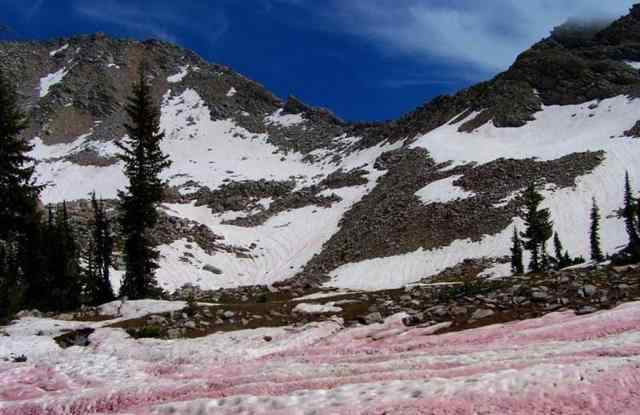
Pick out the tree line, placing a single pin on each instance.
(42, 263)
(539, 229)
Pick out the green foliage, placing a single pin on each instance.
(562, 257)
(98, 256)
(538, 229)
(18, 203)
(517, 266)
(629, 213)
(63, 262)
(594, 234)
(144, 161)
(21, 267)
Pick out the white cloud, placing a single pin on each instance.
(486, 35)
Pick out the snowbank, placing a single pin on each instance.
(559, 363)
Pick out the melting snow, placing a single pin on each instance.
(55, 52)
(634, 65)
(557, 131)
(443, 191)
(284, 120)
(572, 364)
(184, 70)
(50, 80)
(308, 308)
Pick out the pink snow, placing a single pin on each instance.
(557, 364)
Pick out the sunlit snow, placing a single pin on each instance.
(55, 52)
(560, 361)
(443, 191)
(178, 77)
(50, 80)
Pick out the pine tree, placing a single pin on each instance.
(20, 228)
(19, 192)
(10, 290)
(539, 229)
(98, 256)
(144, 161)
(557, 245)
(517, 266)
(64, 263)
(562, 257)
(594, 234)
(629, 214)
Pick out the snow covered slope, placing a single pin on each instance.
(554, 364)
(557, 131)
(263, 191)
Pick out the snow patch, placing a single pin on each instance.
(184, 71)
(139, 308)
(443, 191)
(55, 52)
(634, 65)
(309, 308)
(232, 91)
(284, 120)
(50, 80)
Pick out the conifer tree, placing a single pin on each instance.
(19, 192)
(517, 266)
(20, 228)
(557, 245)
(64, 264)
(594, 234)
(562, 257)
(144, 161)
(10, 289)
(629, 214)
(539, 229)
(98, 256)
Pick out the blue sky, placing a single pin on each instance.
(363, 59)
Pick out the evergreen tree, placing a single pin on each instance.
(144, 161)
(18, 203)
(539, 229)
(562, 257)
(629, 214)
(10, 288)
(517, 266)
(594, 234)
(557, 245)
(98, 256)
(64, 264)
(20, 228)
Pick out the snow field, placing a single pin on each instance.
(560, 362)
(557, 131)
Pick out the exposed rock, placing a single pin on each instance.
(212, 269)
(372, 318)
(480, 313)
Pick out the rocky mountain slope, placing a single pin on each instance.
(265, 191)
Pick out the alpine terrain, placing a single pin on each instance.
(313, 265)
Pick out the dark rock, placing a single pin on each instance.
(371, 318)
(212, 269)
(411, 320)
